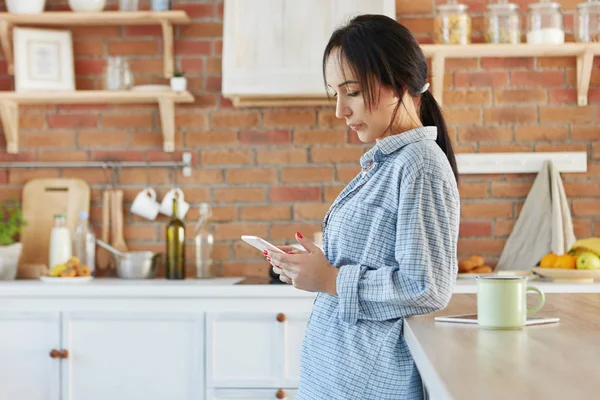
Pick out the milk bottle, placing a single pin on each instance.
(60, 242)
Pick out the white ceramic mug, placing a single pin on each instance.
(145, 204)
(502, 301)
(166, 206)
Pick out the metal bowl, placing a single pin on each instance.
(137, 264)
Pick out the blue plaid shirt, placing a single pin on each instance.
(392, 233)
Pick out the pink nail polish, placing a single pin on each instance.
(265, 252)
(299, 235)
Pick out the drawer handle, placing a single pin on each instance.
(280, 394)
(55, 353)
(64, 354)
(280, 317)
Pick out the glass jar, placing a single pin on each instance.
(545, 23)
(502, 23)
(452, 24)
(117, 74)
(203, 243)
(587, 22)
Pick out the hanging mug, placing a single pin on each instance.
(145, 204)
(166, 206)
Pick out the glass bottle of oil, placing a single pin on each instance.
(175, 262)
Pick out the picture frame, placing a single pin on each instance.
(43, 60)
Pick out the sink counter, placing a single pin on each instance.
(553, 361)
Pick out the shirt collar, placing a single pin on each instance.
(393, 143)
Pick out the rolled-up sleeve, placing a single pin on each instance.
(421, 280)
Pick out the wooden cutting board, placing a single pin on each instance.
(42, 199)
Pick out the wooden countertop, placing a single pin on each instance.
(554, 361)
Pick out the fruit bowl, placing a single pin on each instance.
(568, 275)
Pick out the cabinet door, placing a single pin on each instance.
(131, 355)
(275, 47)
(293, 335)
(27, 372)
(254, 349)
(251, 394)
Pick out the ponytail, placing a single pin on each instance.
(431, 115)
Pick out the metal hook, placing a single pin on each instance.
(173, 177)
(115, 176)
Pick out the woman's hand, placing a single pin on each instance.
(308, 270)
(289, 250)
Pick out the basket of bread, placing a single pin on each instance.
(472, 266)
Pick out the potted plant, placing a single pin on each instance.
(178, 82)
(11, 223)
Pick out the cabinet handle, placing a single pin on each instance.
(280, 317)
(64, 354)
(280, 394)
(55, 353)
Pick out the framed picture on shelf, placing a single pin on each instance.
(43, 60)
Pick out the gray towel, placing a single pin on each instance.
(544, 224)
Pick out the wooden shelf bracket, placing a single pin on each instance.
(5, 41)
(167, 120)
(169, 64)
(9, 111)
(438, 62)
(585, 62)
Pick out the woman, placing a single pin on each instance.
(390, 237)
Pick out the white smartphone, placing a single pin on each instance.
(260, 243)
(472, 319)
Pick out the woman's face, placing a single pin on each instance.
(369, 125)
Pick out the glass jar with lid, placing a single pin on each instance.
(587, 22)
(502, 23)
(545, 23)
(452, 24)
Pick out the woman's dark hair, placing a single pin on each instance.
(379, 50)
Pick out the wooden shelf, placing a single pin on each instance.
(67, 18)
(583, 51)
(278, 101)
(10, 101)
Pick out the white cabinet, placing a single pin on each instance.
(27, 372)
(133, 355)
(254, 349)
(273, 49)
(251, 394)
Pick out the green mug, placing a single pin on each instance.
(502, 301)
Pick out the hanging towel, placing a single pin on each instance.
(544, 224)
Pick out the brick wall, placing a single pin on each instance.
(274, 171)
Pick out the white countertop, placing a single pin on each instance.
(218, 287)
(144, 288)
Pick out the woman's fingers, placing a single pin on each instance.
(291, 250)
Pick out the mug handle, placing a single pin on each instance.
(152, 193)
(540, 304)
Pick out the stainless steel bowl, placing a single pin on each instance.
(137, 264)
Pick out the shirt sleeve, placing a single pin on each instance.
(422, 279)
